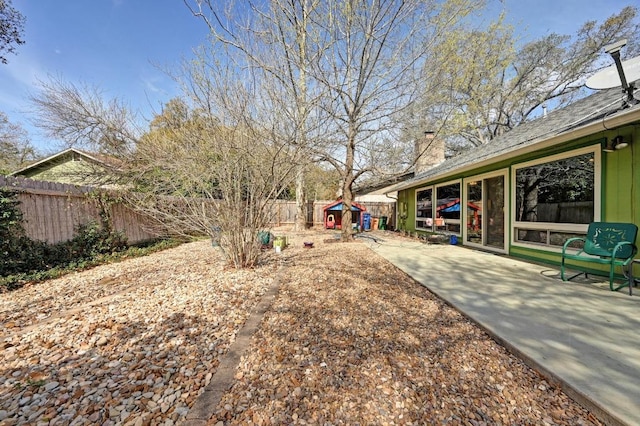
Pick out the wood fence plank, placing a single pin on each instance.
(53, 211)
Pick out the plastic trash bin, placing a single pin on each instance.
(383, 222)
(366, 221)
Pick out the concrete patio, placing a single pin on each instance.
(578, 334)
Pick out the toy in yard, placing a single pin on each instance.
(333, 215)
(331, 222)
(308, 244)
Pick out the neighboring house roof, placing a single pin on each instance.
(76, 167)
(597, 112)
(62, 157)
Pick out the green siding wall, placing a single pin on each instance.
(620, 186)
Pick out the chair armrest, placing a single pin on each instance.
(569, 241)
(620, 245)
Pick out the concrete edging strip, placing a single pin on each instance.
(205, 405)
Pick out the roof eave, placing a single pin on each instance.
(621, 119)
(55, 156)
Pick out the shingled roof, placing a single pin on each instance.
(601, 105)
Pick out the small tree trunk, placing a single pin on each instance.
(347, 184)
(347, 201)
(301, 201)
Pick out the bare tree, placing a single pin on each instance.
(79, 116)
(277, 38)
(15, 148)
(208, 166)
(361, 60)
(371, 76)
(11, 29)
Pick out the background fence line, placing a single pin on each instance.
(52, 211)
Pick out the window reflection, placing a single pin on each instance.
(424, 208)
(560, 191)
(448, 208)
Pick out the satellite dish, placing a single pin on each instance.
(609, 77)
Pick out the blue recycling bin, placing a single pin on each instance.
(366, 221)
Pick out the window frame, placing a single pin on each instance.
(504, 173)
(552, 226)
(416, 217)
(434, 203)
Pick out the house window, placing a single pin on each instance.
(424, 208)
(556, 197)
(438, 208)
(447, 215)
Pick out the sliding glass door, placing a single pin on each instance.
(485, 215)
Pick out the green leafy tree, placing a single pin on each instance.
(480, 84)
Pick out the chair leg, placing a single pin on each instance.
(628, 274)
(611, 270)
(631, 279)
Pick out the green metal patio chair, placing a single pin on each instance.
(606, 243)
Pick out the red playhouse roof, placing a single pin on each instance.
(337, 205)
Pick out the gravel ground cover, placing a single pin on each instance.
(348, 340)
(353, 341)
(128, 343)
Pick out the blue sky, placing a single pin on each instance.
(121, 46)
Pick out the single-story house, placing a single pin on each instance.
(529, 190)
(72, 166)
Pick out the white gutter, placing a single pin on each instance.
(621, 119)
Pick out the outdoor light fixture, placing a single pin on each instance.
(619, 142)
(615, 144)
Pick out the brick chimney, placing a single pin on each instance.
(429, 152)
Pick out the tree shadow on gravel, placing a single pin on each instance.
(353, 340)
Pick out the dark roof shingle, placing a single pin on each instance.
(584, 111)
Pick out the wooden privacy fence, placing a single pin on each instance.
(284, 212)
(53, 211)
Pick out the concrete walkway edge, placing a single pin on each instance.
(601, 413)
(205, 405)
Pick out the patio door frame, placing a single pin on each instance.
(484, 224)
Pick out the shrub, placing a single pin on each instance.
(92, 240)
(14, 281)
(24, 259)
(10, 215)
